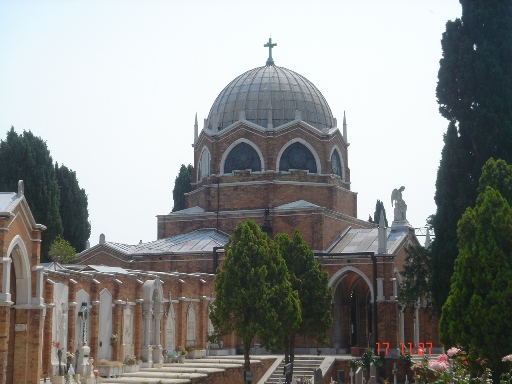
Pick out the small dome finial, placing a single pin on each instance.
(270, 61)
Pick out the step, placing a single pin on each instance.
(139, 380)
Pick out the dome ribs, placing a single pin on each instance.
(281, 89)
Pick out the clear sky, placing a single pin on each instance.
(113, 87)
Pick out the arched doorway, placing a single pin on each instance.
(352, 310)
(24, 313)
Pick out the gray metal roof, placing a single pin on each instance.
(188, 211)
(283, 90)
(6, 199)
(201, 240)
(297, 204)
(366, 240)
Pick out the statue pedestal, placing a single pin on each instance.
(399, 225)
(81, 367)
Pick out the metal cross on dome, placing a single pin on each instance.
(270, 61)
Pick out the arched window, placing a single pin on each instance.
(242, 156)
(204, 165)
(336, 168)
(297, 156)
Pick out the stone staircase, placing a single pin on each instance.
(176, 373)
(303, 365)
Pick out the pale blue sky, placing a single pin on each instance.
(113, 87)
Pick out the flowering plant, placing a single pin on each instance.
(96, 373)
(69, 356)
(113, 338)
(452, 367)
(56, 344)
(506, 378)
(303, 380)
(130, 360)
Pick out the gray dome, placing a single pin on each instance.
(283, 90)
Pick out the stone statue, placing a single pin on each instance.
(400, 206)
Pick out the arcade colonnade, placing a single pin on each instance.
(114, 311)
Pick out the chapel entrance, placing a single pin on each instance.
(352, 310)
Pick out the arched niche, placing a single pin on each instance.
(80, 328)
(203, 168)
(170, 327)
(105, 325)
(240, 155)
(60, 318)
(152, 311)
(337, 165)
(191, 326)
(298, 154)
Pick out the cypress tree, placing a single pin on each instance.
(379, 207)
(474, 93)
(26, 157)
(73, 208)
(182, 185)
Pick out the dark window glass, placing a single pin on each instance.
(336, 164)
(297, 156)
(243, 156)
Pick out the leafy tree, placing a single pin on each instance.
(73, 208)
(474, 93)
(379, 207)
(498, 175)
(253, 294)
(26, 157)
(311, 283)
(478, 311)
(182, 185)
(417, 273)
(62, 251)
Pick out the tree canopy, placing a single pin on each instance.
(73, 208)
(417, 274)
(311, 283)
(55, 198)
(478, 312)
(61, 251)
(26, 157)
(474, 93)
(379, 207)
(182, 185)
(253, 294)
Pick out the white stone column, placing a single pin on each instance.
(380, 289)
(5, 296)
(157, 348)
(147, 314)
(38, 300)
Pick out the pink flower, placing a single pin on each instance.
(452, 351)
(507, 358)
(443, 358)
(96, 372)
(437, 365)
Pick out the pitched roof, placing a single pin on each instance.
(366, 240)
(200, 240)
(8, 201)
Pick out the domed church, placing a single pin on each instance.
(270, 150)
